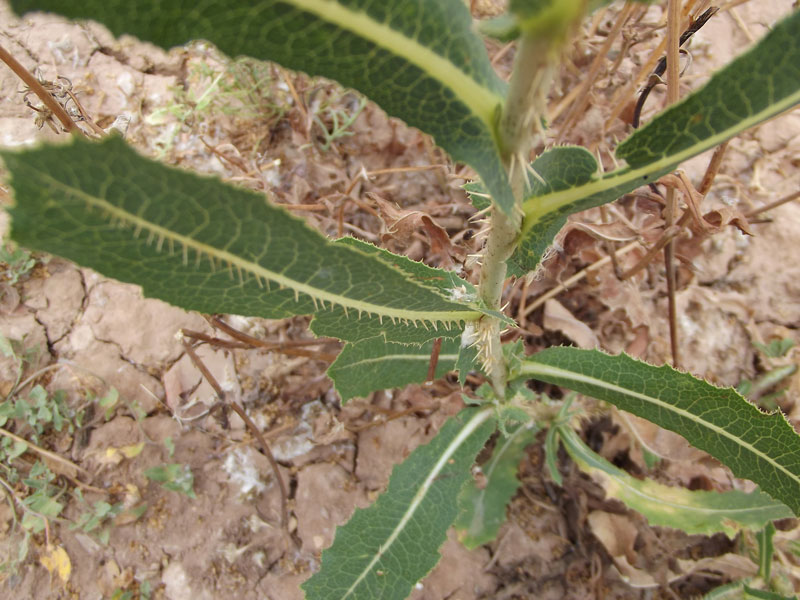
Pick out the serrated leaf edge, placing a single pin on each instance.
(497, 455)
(532, 369)
(159, 235)
(469, 428)
(537, 207)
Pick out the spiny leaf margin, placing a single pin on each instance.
(385, 549)
(203, 245)
(761, 447)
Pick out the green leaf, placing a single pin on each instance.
(754, 594)
(203, 245)
(760, 84)
(765, 551)
(18, 449)
(690, 511)
(5, 347)
(387, 548)
(561, 168)
(419, 60)
(776, 348)
(175, 477)
(482, 509)
(761, 447)
(375, 364)
(731, 591)
(551, 455)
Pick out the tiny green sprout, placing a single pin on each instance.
(175, 477)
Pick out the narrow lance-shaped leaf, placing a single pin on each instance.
(483, 508)
(203, 245)
(385, 549)
(756, 594)
(375, 364)
(766, 551)
(676, 507)
(762, 83)
(761, 447)
(419, 60)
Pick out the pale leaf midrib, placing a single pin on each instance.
(533, 369)
(399, 357)
(593, 464)
(468, 429)
(540, 206)
(481, 100)
(120, 215)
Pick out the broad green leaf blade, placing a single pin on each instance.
(761, 447)
(419, 60)
(760, 84)
(375, 364)
(483, 510)
(387, 548)
(446, 282)
(690, 511)
(203, 245)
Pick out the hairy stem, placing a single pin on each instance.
(520, 125)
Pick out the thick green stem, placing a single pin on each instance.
(538, 55)
(533, 72)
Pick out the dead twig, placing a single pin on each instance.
(670, 233)
(437, 346)
(223, 397)
(45, 453)
(661, 67)
(37, 88)
(576, 278)
(772, 205)
(583, 95)
(288, 347)
(673, 94)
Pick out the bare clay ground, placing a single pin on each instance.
(560, 542)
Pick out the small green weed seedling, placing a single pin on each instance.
(175, 477)
(27, 420)
(18, 263)
(211, 247)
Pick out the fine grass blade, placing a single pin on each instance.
(419, 60)
(690, 511)
(384, 550)
(761, 447)
(207, 246)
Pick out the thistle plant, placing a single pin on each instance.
(204, 245)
